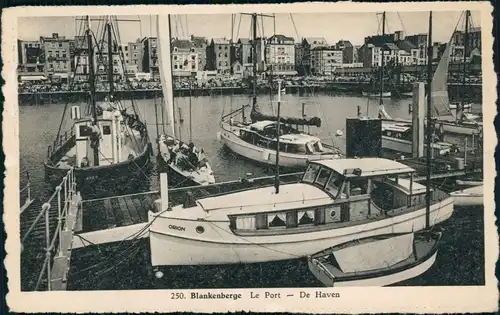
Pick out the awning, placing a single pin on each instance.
(33, 78)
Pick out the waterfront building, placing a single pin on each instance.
(260, 48)
(309, 43)
(135, 54)
(150, 56)
(458, 44)
(243, 52)
(237, 69)
(219, 55)
(280, 55)
(355, 53)
(325, 59)
(420, 43)
(299, 54)
(347, 50)
(31, 57)
(199, 45)
(102, 64)
(184, 58)
(57, 55)
(81, 64)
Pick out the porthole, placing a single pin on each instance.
(333, 213)
(200, 229)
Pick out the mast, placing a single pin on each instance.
(429, 128)
(382, 63)
(92, 87)
(254, 60)
(110, 58)
(278, 131)
(466, 44)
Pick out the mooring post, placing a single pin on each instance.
(164, 191)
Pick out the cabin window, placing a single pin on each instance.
(276, 220)
(292, 219)
(311, 172)
(261, 221)
(106, 130)
(318, 146)
(306, 217)
(334, 184)
(245, 223)
(359, 186)
(296, 148)
(323, 176)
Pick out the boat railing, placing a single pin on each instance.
(61, 198)
(60, 140)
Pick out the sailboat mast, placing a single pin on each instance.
(429, 128)
(278, 132)
(92, 85)
(110, 57)
(382, 63)
(254, 60)
(466, 43)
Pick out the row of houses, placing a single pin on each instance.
(277, 54)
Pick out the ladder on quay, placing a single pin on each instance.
(46, 235)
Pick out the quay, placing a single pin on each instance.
(473, 91)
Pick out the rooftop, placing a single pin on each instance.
(367, 166)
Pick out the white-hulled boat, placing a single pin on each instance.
(337, 201)
(398, 137)
(186, 164)
(376, 261)
(467, 197)
(257, 140)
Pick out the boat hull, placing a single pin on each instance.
(103, 180)
(175, 178)
(179, 242)
(405, 146)
(267, 156)
(468, 197)
(379, 279)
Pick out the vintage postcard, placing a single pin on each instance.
(319, 158)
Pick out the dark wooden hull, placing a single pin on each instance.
(107, 180)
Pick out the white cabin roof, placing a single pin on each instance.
(396, 127)
(300, 138)
(368, 166)
(291, 196)
(260, 125)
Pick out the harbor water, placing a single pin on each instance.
(128, 269)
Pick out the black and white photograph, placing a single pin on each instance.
(224, 157)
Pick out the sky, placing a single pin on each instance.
(332, 26)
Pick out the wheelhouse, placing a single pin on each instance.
(359, 190)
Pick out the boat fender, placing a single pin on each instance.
(219, 136)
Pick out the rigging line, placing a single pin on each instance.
(295, 27)
(187, 25)
(117, 35)
(239, 24)
(71, 85)
(402, 24)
